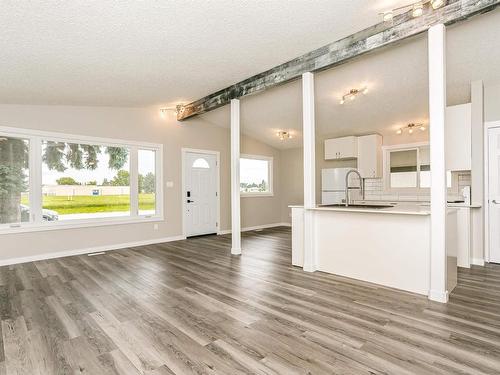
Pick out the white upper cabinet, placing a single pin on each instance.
(370, 156)
(458, 137)
(341, 148)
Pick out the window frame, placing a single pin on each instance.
(36, 223)
(387, 169)
(270, 172)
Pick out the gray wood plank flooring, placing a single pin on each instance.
(189, 307)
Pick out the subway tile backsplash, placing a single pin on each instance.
(374, 190)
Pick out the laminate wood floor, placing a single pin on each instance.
(189, 307)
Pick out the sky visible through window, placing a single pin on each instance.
(253, 170)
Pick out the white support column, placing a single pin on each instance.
(309, 137)
(235, 178)
(437, 109)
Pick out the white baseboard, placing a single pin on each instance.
(438, 296)
(477, 261)
(97, 249)
(263, 226)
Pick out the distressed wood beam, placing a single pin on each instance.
(380, 35)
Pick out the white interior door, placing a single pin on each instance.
(200, 193)
(494, 194)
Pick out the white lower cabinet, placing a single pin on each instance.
(464, 240)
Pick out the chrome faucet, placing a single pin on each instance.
(347, 188)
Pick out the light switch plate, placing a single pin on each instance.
(170, 184)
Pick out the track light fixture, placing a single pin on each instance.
(416, 8)
(353, 93)
(410, 128)
(178, 109)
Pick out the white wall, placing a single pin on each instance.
(491, 101)
(292, 181)
(137, 124)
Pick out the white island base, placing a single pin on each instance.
(390, 247)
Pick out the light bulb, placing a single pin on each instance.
(388, 16)
(399, 131)
(422, 127)
(352, 97)
(410, 131)
(365, 91)
(418, 10)
(437, 3)
(342, 101)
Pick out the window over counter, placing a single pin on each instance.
(51, 180)
(256, 175)
(407, 167)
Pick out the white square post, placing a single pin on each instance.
(235, 178)
(309, 137)
(437, 110)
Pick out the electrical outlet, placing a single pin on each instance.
(155, 226)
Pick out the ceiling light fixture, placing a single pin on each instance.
(282, 135)
(178, 109)
(410, 128)
(437, 3)
(353, 93)
(387, 16)
(416, 8)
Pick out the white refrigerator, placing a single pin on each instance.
(333, 184)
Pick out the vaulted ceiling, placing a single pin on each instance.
(398, 88)
(132, 53)
(140, 53)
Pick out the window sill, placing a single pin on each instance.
(253, 195)
(76, 224)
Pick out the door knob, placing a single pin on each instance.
(190, 201)
(495, 201)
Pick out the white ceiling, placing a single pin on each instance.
(140, 53)
(397, 82)
(132, 53)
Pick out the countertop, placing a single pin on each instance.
(396, 210)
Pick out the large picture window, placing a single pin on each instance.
(48, 180)
(256, 175)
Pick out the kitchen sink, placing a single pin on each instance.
(358, 205)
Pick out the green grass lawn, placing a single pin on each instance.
(89, 204)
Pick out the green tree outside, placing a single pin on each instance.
(122, 178)
(67, 181)
(57, 156)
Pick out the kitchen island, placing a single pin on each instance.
(387, 246)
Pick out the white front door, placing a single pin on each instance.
(200, 193)
(494, 194)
